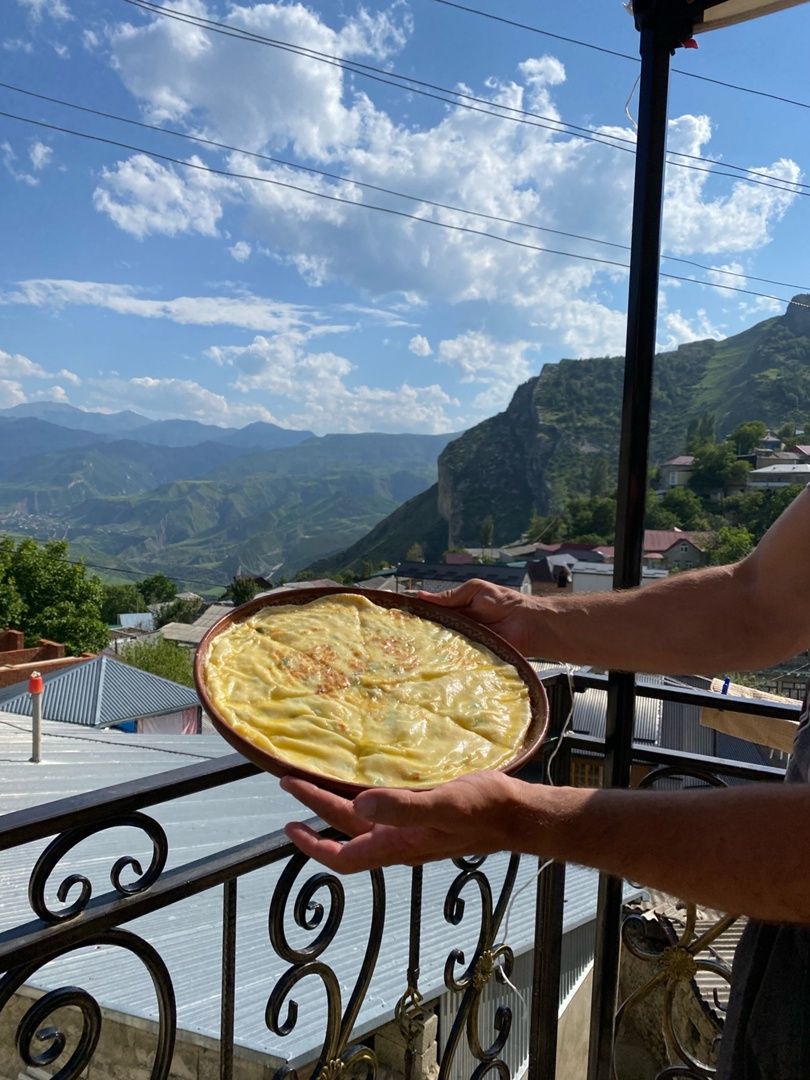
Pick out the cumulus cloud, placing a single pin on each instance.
(144, 197)
(241, 251)
(317, 113)
(420, 346)
(54, 9)
(40, 155)
(11, 393)
(320, 389)
(479, 358)
(17, 366)
(166, 398)
(738, 219)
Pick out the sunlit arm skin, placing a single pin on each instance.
(742, 850)
(735, 850)
(721, 618)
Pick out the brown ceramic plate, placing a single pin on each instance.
(538, 724)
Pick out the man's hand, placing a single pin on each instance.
(474, 815)
(507, 612)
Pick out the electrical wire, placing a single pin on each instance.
(145, 574)
(617, 142)
(621, 55)
(466, 229)
(389, 191)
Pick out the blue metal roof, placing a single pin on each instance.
(101, 692)
(188, 935)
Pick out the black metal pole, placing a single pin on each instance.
(642, 307)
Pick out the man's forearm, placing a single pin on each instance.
(701, 622)
(735, 850)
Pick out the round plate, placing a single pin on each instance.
(535, 733)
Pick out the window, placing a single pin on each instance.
(587, 772)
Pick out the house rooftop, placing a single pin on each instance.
(189, 935)
(100, 692)
(512, 576)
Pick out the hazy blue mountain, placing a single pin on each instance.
(22, 438)
(66, 416)
(262, 436)
(181, 433)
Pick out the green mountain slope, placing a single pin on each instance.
(543, 448)
(203, 513)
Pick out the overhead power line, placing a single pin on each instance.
(622, 55)
(388, 191)
(457, 98)
(466, 229)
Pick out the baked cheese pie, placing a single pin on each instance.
(366, 694)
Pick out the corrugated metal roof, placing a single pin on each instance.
(101, 692)
(590, 710)
(188, 935)
(137, 620)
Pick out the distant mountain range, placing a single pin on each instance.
(202, 503)
(543, 448)
(196, 501)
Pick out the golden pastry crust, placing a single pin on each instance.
(366, 694)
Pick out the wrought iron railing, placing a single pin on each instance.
(312, 901)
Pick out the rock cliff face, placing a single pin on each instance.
(544, 447)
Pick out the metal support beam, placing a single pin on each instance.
(642, 307)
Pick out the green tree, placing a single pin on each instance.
(157, 589)
(656, 515)
(119, 599)
(241, 589)
(48, 596)
(732, 543)
(160, 657)
(748, 435)
(183, 609)
(599, 478)
(686, 507)
(716, 470)
(415, 553)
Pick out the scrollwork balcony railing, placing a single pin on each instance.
(75, 913)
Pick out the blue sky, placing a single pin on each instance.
(132, 282)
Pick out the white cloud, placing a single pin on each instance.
(499, 366)
(681, 328)
(62, 51)
(166, 398)
(144, 197)
(40, 155)
(243, 310)
(740, 219)
(17, 366)
(11, 393)
(241, 251)
(17, 45)
(55, 9)
(420, 346)
(318, 387)
(317, 113)
(9, 159)
(90, 40)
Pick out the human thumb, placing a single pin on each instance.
(392, 806)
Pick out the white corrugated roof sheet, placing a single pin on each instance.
(188, 935)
